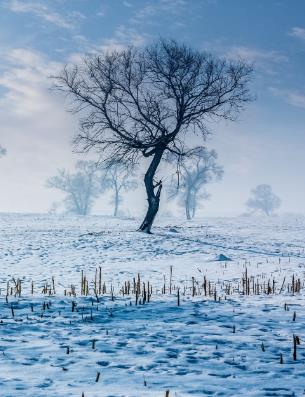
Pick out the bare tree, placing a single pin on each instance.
(118, 178)
(263, 199)
(193, 174)
(80, 187)
(2, 151)
(146, 102)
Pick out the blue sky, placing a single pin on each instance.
(267, 145)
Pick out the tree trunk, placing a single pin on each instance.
(194, 206)
(193, 212)
(188, 203)
(153, 197)
(187, 210)
(116, 203)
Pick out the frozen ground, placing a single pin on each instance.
(203, 347)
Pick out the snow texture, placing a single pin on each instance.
(59, 345)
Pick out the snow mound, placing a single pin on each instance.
(223, 257)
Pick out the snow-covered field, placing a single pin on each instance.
(222, 340)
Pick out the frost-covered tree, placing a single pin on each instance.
(118, 178)
(146, 102)
(193, 174)
(263, 199)
(81, 187)
(2, 151)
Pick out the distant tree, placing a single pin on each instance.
(193, 174)
(54, 209)
(118, 178)
(2, 151)
(81, 187)
(263, 199)
(150, 101)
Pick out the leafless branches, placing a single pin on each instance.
(146, 102)
(134, 101)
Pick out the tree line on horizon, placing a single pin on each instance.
(187, 185)
(92, 179)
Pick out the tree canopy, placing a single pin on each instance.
(149, 101)
(2, 151)
(80, 187)
(193, 174)
(263, 199)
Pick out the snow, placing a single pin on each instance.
(55, 345)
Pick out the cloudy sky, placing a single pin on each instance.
(267, 145)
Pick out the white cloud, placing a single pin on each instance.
(129, 36)
(297, 99)
(297, 32)
(35, 129)
(265, 61)
(127, 4)
(294, 98)
(255, 55)
(26, 80)
(164, 7)
(121, 39)
(43, 11)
